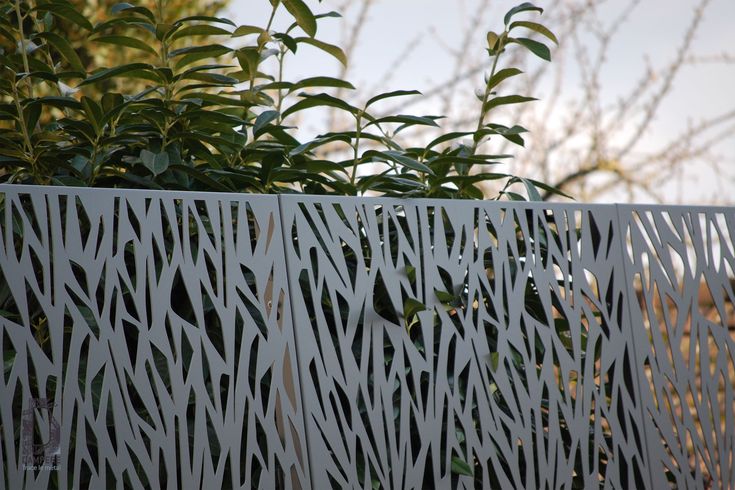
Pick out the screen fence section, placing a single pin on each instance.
(156, 339)
(681, 267)
(463, 344)
(147, 342)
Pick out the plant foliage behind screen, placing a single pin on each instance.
(212, 116)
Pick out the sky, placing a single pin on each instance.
(653, 32)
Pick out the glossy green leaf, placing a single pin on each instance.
(331, 49)
(199, 30)
(128, 41)
(405, 119)
(209, 49)
(264, 118)
(511, 134)
(93, 112)
(319, 141)
(209, 182)
(126, 21)
(536, 27)
(246, 30)
(501, 75)
(446, 298)
(193, 55)
(464, 180)
(211, 78)
(319, 100)
(106, 73)
(403, 160)
(249, 59)
(157, 163)
(535, 184)
(460, 467)
(302, 14)
(524, 7)
(321, 82)
(492, 40)
(411, 307)
(207, 18)
(506, 100)
(40, 75)
(448, 137)
(533, 194)
(537, 48)
(59, 102)
(111, 101)
(163, 31)
(386, 95)
(67, 12)
(31, 114)
(63, 47)
(287, 40)
(322, 166)
(129, 8)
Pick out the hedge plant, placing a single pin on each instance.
(219, 115)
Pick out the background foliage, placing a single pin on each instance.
(188, 103)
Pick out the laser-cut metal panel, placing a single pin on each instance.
(159, 324)
(538, 395)
(681, 259)
(542, 307)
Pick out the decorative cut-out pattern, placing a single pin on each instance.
(175, 340)
(480, 337)
(683, 263)
(158, 325)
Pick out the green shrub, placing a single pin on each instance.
(211, 117)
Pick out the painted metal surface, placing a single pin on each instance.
(539, 394)
(681, 263)
(192, 340)
(159, 324)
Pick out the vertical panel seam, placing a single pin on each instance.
(297, 348)
(640, 375)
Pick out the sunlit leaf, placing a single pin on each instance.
(321, 82)
(246, 30)
(302, 14)
(331, 49)
(536, 27)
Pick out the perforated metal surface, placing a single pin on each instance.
(168, 349)
(538, 394)
(681, 259)
(206, 340)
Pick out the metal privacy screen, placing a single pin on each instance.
(197, 340)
